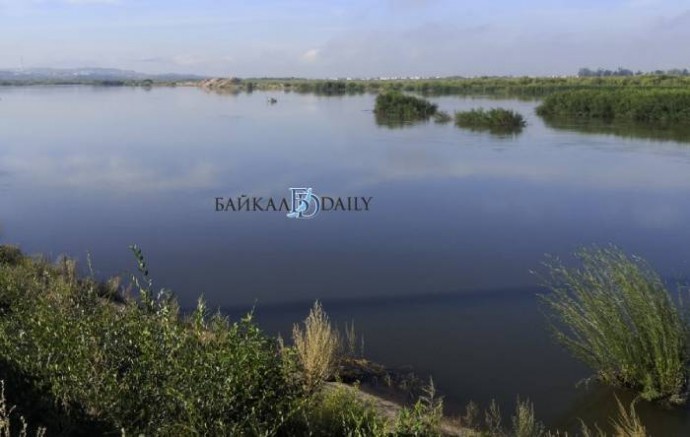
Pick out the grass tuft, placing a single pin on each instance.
(615, 314)
(628, 423)
(317, 345)
(524, 422)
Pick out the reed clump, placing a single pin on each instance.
(654, 106)
(394, 106)
(496, 120)
(615, 314)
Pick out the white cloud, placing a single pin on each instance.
(310, 55)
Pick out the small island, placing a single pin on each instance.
(495, 120)
(395, 108)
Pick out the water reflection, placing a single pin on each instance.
(676, 133)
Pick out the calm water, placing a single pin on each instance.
(436, 275)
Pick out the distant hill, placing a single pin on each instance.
(87, 75)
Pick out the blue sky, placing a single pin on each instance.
(315, 38)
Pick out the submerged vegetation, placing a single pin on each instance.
(657, 106)
(495, 120)
(622, 129)
(396, 108)
(615, 314)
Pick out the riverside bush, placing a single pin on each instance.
(139, 366)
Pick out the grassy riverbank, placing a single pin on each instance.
(80, 357)
(529, 87)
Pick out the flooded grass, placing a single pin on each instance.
(495, 120)
(615, 314)
(397, 108)
(652, 106)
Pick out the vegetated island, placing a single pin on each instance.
(84, 357)
(395, 108)
(495, 120)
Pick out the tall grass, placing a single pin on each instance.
(658, 106)
(83, 358)
(615, 314)
(628, 423)
(338, 411)
(524, 421)
(394, 107)
(317, 345)
(496, 120)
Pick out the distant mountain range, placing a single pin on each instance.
(76, 75)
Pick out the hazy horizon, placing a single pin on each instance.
(310, 39)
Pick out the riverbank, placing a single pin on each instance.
(525, 87)
(84, 357)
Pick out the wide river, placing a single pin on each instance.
(436, 275)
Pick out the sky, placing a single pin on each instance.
(354, 38)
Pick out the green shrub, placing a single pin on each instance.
(496, 120)
(424, 418)
(338, 411)
(615, 314)
(140, 366)
(10, 255)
